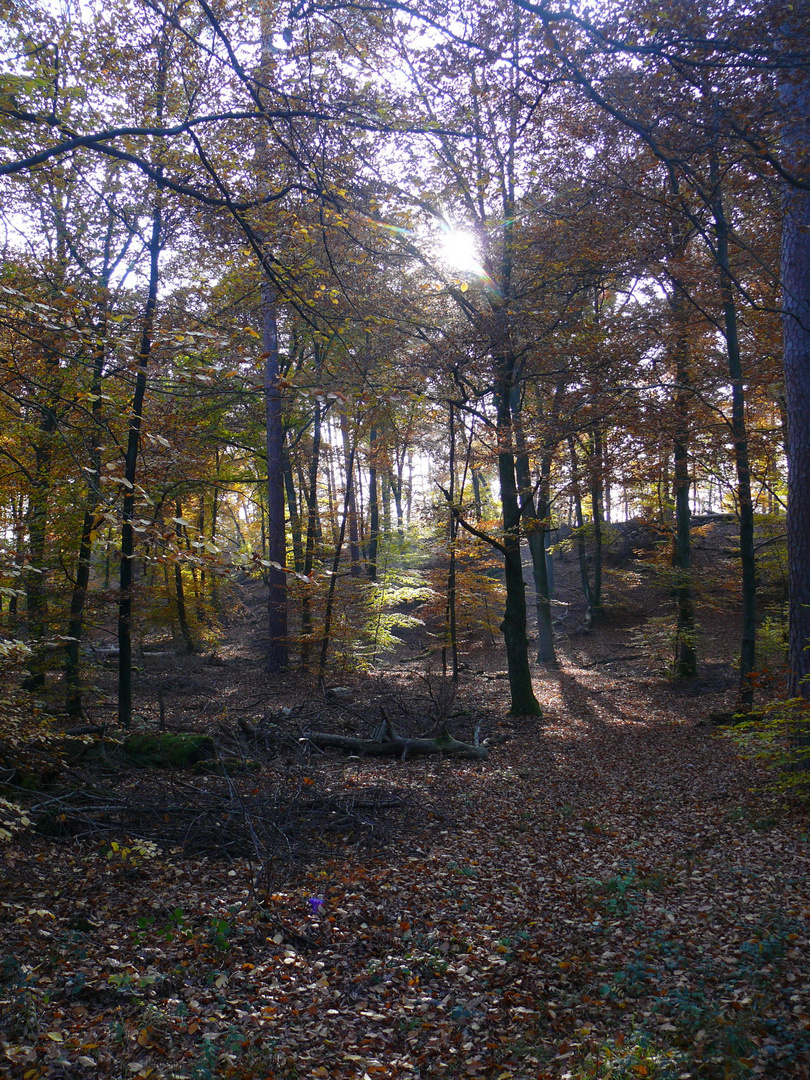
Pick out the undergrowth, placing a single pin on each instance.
(779, 737)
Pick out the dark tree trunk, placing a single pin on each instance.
(580, 525)
(523, 701)
(130, 468)
(597, 496)
(740, 437)
(795, 267)
(476, 484)
(685, 651)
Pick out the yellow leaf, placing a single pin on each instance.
(56, 1036)
(464, 286)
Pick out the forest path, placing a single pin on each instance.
(603, 897)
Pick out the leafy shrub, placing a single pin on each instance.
(779, 737)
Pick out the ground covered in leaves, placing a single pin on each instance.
(607, 895)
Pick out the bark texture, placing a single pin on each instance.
(795, 267)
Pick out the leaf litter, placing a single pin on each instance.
(608, 895)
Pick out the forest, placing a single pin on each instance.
(404, 539)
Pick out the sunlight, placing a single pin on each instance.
(460, 251)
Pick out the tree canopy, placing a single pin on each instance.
(276, 279)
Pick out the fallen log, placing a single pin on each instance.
(394, 746)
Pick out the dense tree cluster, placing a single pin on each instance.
(272, 277)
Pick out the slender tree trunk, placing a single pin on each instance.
(36, 575)
(396, 488)
(549, 545)
(544, 513)
(580, 526)
(75, 628)
(535, 527)
(18, 513)
(349, 447)
(78, 598)
(386, 505)
(523, 701)
(332, 490)
(201, 582)
(795, 269)
(740, 437)
(476, 483)
(451, 626)
(214, 576)
(179, 588)
(373, 507)
(685, 656)
(277, 657)
(409, 500)
(130, 469)
(330, 596)
(294, 516)
(597, 494)
(312, 534)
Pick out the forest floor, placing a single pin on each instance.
(609, 894)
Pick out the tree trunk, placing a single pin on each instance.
(373, 507)
(740, 437)
(276, 659)
(179, 589)
(36, 577)
(330, 596)
(580, 526)
(130, 468)
(386, 505)
(90, 523)
(523, 701)
(535, 526)
(685, 652)
(597, 489)
(292, 512)
(349, 446)
(450, 620)
(795, 268)
(312, 533)
(476, 484)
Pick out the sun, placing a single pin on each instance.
(460, 251)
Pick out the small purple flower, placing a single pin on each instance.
(316, 904)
